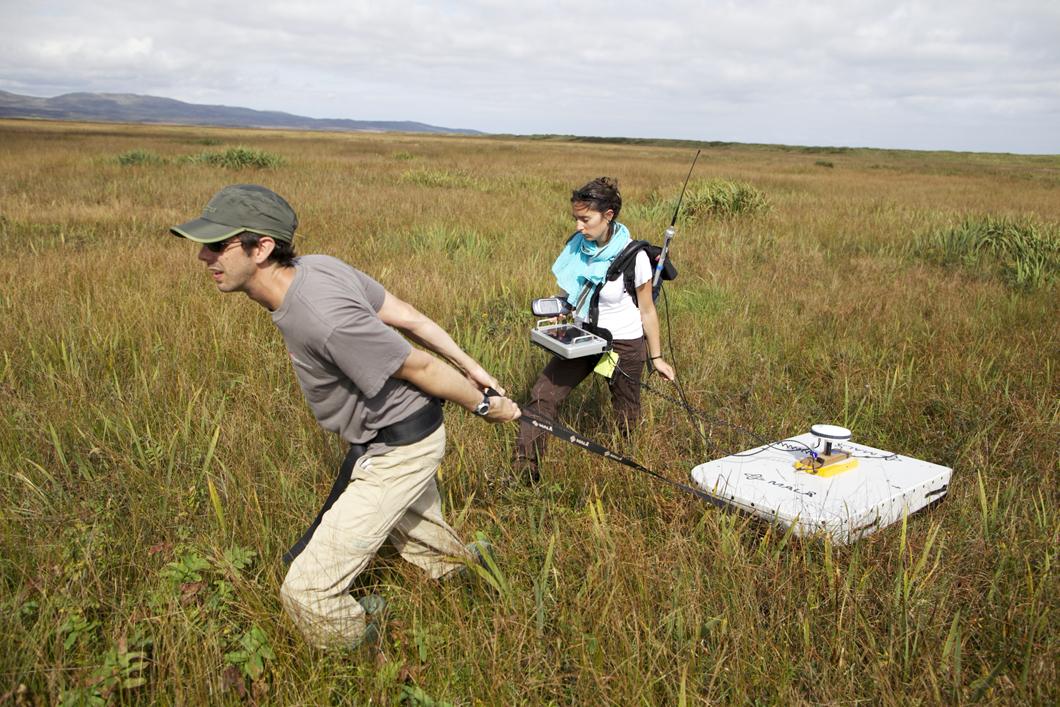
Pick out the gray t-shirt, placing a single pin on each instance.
(342, 352)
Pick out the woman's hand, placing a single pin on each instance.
(663, 368)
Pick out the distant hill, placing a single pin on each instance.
(132, 108)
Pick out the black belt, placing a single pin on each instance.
(418, 426)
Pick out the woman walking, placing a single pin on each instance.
(581, 271)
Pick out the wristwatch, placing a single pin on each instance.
(484, 407)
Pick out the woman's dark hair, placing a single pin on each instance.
(600, 194)
(282, 254)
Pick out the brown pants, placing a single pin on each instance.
(561, 376)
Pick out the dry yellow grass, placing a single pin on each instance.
(153, 432)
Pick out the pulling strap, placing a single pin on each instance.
(341, 482)
(418, 426)
(558, 430)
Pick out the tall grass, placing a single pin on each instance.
(1024, 254)
(428, 177)
(158, 458)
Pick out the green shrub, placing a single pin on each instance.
(720, 197)
(134, 158)
(716, 197)
(239, 158)
(403, 156)
(1024, 254)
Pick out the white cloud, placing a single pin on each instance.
(759, 70)
(69, 54)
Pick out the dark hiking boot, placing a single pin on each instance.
(373, 606)
(526, 472)
(480, 549)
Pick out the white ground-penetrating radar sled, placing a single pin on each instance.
(822, 483)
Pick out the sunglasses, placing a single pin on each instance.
(221, 246)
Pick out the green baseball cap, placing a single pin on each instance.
(238, 208)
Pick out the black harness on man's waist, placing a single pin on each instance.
(417, 426)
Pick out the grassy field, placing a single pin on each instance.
(158, 458)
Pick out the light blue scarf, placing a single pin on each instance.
(583, 261)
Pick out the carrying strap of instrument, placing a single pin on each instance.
(586, 291)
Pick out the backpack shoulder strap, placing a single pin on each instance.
(618, 266)
(626, 259)
(626, 265)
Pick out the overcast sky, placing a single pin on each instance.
(957, 75)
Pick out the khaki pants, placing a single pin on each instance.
(391, 496)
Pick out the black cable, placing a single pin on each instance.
(558, 430)
(707, 444)
(784, 445)
(693, 412)
(884, 457)
(789, 445)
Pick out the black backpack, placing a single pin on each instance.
(625, 265)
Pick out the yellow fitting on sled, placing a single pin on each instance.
(826, 465)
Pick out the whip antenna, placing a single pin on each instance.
(670, 231)
(681, 198)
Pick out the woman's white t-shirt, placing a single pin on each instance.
(618, 313)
